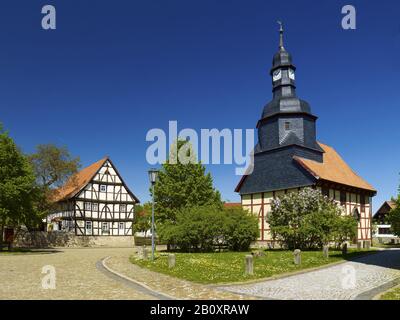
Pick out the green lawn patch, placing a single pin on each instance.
(226, 267)
(392, 294)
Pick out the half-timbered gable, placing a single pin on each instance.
(95, 202)
(288, 157)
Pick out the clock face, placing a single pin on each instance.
(291, 74)
(277, 75)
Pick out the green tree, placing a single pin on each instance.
(182, 184)
(394, 217)
(18, 192)
(53, 166)
(142, 219)
(307, 219)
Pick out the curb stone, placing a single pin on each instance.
(136, 283)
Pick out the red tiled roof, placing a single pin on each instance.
(335, 169)
(78, 181)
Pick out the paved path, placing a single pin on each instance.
(331, 283)
(76, 276)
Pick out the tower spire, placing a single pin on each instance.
(281, 47)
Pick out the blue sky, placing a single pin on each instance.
(115, 69)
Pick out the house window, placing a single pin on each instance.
(325, 191)
(105, 228)
(103, 188)
(88, 227)
(121, 226)
(95, 206)
(88, 206)
(287, 126)
(122, 208)
(383, 230)
(342, 198)
(362, 202)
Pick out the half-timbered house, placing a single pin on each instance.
(288, 157)
(94, 202)
(383, 232)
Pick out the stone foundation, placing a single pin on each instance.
(39, 239)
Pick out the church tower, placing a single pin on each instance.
(286, 120)
(288, 157)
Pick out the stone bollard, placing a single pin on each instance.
(249, 267)
(171, 261)
(367, 244)
(145, 255)
(359, 245)
(325, 251)
(297, 256)
(344, 248)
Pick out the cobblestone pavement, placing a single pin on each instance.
(179, 289)
(76, 276)
(331, 283)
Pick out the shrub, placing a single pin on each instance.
(241, 229)
(307, 219)
(204, 228)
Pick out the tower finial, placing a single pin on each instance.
(281, 35)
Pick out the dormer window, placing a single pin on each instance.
(287, 126)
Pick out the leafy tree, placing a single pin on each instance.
(53, 166)
(394, 217)
(142, 220)
(307, 219)
(18, 193)
(182, 184)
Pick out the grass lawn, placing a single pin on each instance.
(226, 267)
(392, 294)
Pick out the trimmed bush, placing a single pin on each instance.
(202, 229)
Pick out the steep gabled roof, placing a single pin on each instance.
(334, 168)
(384, 208)
(78, 181)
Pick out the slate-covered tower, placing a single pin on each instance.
(288, 157)
(286, 129)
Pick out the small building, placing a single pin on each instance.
(382, 232)
(94, 202)
(288, 157)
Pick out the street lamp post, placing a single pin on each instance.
(153, 173)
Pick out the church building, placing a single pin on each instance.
(289, 157)
(94, 202)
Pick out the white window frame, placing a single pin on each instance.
(89, 229)
(88, 205)
(122, 206)
(105, 230)
(121, 224)
(95, 207)
(101, 187)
